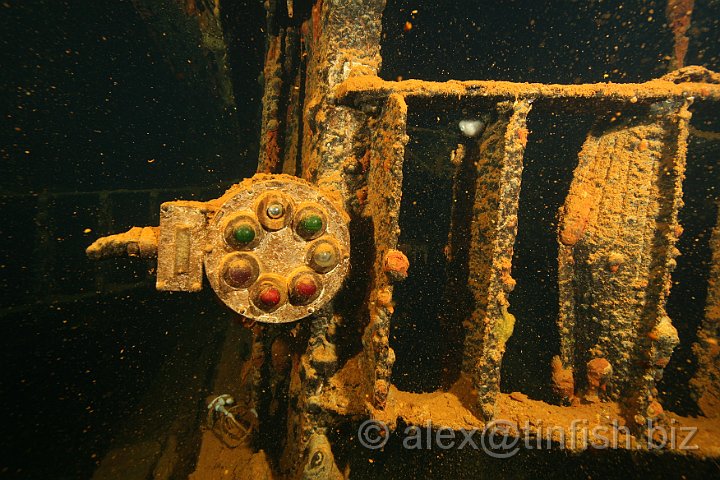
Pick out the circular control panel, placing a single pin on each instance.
(278, 249)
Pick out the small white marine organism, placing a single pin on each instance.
(472, 127)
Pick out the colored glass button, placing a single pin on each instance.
(306, 286)
(323, 257)
(269, 296)
(311, 223)
(244, 233)
(240, 273)
(275, 210)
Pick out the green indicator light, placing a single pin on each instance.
(311, 224)
(244, 234)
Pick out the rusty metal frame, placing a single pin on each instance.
(329, 118)
(352, 139)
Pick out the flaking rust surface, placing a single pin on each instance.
(706, 383)
(617, 237)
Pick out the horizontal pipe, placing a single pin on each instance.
(361, 89)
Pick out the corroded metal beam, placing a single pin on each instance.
(693, 81)
(706, 383)
(384, 194)
(341, 38)
(484, 224)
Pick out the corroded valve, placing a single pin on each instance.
(274, 248)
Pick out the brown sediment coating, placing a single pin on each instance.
(617, 237)
(269, 160)
(218, 461)
(344, 398)
(706, 383)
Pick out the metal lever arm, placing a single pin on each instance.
(136, 242)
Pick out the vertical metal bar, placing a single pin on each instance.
(342, 39)
(384, 195)
(706, 383)
(498, 162)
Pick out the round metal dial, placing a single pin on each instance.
(278, 249)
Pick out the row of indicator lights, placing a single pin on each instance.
(243, 271)
(303, 291)
(307, 228)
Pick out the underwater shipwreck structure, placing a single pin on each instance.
(307, 252)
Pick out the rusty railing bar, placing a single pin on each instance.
(368, 88)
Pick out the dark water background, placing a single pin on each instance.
(100, 125)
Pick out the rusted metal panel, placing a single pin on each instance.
(181, 246)
(617, 239)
